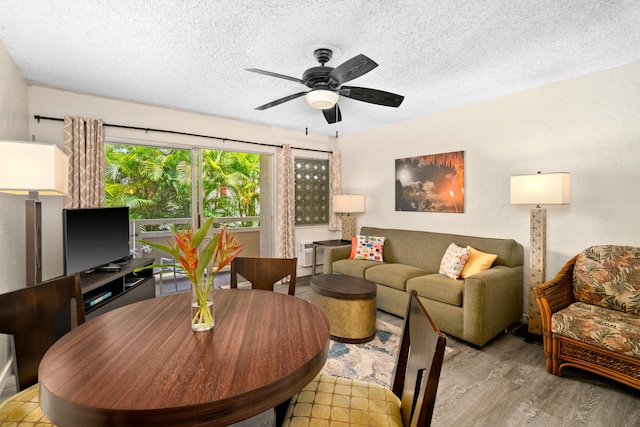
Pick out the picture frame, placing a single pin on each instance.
(430, 183)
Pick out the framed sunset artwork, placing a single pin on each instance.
(431, 183)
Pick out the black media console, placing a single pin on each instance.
(104, 291)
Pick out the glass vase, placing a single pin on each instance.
(202, 317)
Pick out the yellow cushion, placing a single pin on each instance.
(478, 261)
(23, 409)
(333, 401)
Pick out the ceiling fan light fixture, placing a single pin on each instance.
(321, 99)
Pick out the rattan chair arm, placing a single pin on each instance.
(558, 292)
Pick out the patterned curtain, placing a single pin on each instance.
(84, 144)
(285, 241)
(334, 164)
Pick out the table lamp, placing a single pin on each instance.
(33, 168)
(539, 189)
(348, 204)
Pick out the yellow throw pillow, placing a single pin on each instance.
(478, 261)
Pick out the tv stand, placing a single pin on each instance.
(109, 268)
(104, 291)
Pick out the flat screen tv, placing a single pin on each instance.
(94, 237)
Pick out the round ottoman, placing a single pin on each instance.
(349, 303)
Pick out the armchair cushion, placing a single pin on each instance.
(609, 276)
(601, 327)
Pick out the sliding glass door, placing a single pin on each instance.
(175, 187)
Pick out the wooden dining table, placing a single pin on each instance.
(142, 364)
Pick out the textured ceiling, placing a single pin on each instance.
(191, 55)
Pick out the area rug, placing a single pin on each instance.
(373, 361)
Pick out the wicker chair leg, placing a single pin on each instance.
(549, 363)
(548, 350)
(554, 362)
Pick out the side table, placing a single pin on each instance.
(325, 243)
(350, 305)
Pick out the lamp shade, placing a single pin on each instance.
(348, 203)
(31, 166)
(321, 99)
(541, 189)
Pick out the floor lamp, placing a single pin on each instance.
(33, 168)
(539, 189)
(348, 204)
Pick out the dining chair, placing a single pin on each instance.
(36, 317)
(170, 268)
(409, 402)
(264, 273)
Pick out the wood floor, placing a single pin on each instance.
(505, 384)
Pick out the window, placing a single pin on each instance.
(156, 183)
(311, 191)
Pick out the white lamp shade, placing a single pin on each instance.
(348, 203)
(541, 189)
(31, 166)
(321, 99)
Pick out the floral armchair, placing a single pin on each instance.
(591, 314)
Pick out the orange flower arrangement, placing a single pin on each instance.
(217, 254)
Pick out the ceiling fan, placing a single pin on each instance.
(326, 85)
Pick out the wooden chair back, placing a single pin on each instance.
(37, 316)
(417, 372)
(263, 273)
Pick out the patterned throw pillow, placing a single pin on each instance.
(369, 248)
(453, 260)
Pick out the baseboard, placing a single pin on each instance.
(522, 331)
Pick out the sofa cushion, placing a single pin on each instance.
(453, 261)
(370, 248)
(438, 288)
(393, 275)
(353, 267)
(478, 261)
(601, 327)
(608, 276)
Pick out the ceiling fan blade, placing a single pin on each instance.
(281, 100)
(280, 76)
(374, 96)
(350, 69)
(332, 114)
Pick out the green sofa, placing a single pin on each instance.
(475, 309)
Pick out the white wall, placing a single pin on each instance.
(49, 102)
(13, 126)
(588, 126)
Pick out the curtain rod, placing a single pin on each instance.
(56, 119)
